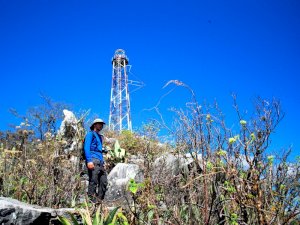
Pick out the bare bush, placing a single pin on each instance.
(237, 180)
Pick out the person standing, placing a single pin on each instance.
(95, 161)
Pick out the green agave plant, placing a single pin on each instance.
(118, 151)
(87, 218)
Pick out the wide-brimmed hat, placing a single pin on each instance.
(96, 121)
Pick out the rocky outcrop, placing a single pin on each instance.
(69, 131)
(164, 167)
(19, 213)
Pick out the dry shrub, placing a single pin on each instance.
(237, 180)
(37, 174)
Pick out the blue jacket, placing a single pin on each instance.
(93, 147)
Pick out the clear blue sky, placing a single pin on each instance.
(63, 48)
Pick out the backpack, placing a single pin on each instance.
(83, 142)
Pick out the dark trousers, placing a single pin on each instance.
(97, 179)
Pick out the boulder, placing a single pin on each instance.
(118, 179)
(135, 159)
(19, 213)
(169, 165)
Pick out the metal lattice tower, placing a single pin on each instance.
(119, 116)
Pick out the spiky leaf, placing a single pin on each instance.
(111, 216)
(64, 220)
(96, 220)
(75, 222)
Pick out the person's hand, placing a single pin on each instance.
(90, 166)
(104, 150)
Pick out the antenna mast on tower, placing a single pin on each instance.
(119, 116)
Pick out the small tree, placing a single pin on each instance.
(43, 118)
